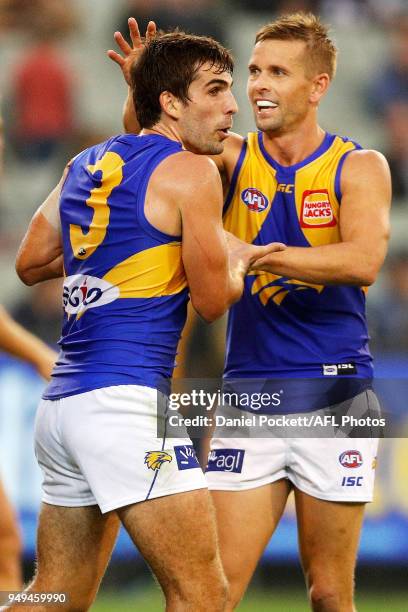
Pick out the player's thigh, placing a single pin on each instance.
(329, 534)
(73, 548)
(177, 536)
(246, 521)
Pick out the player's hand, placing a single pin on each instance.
(261, 253)
(131, 53)
(250, 254)
(267, 261)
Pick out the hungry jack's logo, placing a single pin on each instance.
(316, 209)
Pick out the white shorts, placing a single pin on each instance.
(336, 469)
(101, 447)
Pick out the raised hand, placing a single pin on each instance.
(130, 53)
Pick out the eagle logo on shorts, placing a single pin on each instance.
(155, 459)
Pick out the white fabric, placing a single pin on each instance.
(92, 449)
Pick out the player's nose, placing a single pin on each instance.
(231, 107)
(261, 85)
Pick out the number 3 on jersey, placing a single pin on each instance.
(84, 244)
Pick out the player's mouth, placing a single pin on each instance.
(265, 108)
(224, 132)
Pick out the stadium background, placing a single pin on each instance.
(60, 93)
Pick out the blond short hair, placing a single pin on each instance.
(321, 52)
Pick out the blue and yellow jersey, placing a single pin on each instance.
(283, 327)
(125, 291)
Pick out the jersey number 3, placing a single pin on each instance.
(84, 244)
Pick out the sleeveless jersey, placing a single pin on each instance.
(283, 327)
(125, 291)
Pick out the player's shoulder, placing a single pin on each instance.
(95, 151)
(233, 144)
(186, 173)
(227, 160)
(189, 167)
(232, 148)
(363, 162)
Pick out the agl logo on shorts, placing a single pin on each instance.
(316, 209)
(225, 460)
(254, 199)
(81, 292)
(351, 459)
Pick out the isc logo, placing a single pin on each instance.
(351, 459)
(352, 481)
(254, 199)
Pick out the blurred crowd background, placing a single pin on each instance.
(60, 93)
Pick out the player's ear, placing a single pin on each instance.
(320, 85)
(170, 104)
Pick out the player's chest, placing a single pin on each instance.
(299, 207)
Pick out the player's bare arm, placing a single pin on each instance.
(364, 227)
(19, 342)
(39, 257)
(205, 257)
(215, 268)
(226, 161)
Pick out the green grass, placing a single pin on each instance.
(255, 601)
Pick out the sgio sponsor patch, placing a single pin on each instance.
(225, 460)
(81, 292)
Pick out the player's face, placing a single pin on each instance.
(278, 85)
(207, 116)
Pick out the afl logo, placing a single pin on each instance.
(254, 199)
(351, 459)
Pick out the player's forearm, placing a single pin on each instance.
(130, 122)
(17, 341)
(31, 275)
(337, 264)
(39, 257)
(237, 272)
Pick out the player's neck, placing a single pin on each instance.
(163, 130)
(293, 147)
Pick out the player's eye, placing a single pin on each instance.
(214, 91)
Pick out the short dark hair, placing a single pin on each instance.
(170, 62)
